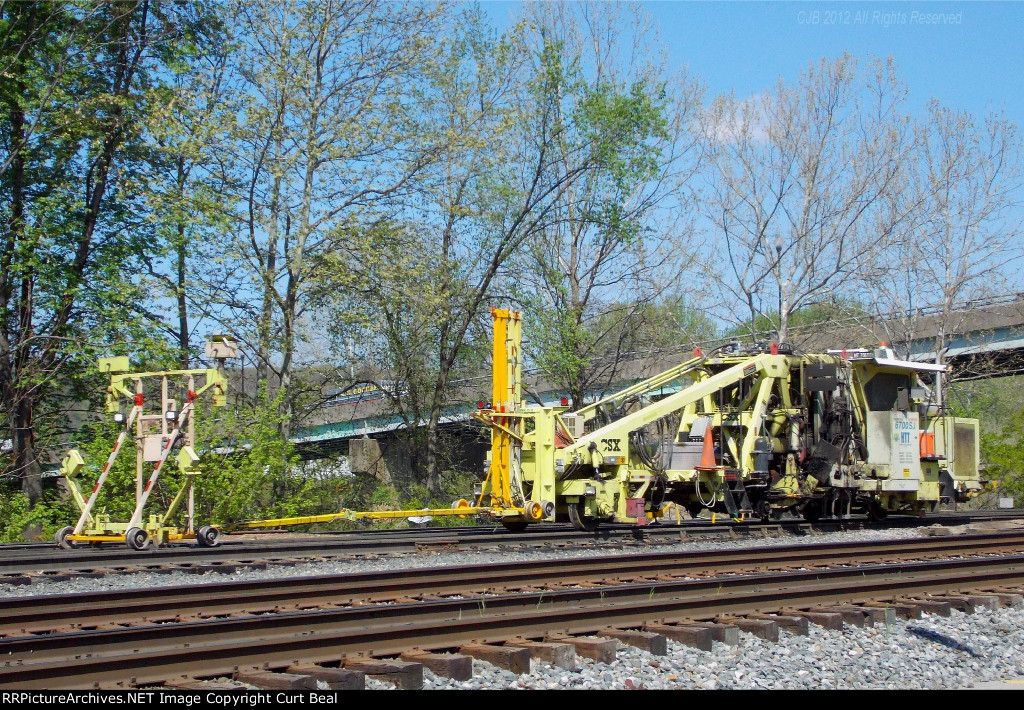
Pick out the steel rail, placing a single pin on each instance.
(16, 563)
(33, 614)
(154, 654)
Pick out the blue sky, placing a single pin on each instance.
(975, 63)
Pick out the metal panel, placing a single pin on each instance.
(821, 377)
(153, 446)
(686, 455)
(965, 449)
(894, 442)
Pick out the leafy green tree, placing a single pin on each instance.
(1003, 453)
(523, 136)
(79, 79)
(997, 404)
(327, 138)
(248, 472)
(46, 517)
(590, 282)
(190, 126)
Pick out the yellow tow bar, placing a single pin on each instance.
(462, 509)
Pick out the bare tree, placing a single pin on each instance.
(796, 186)
(964, 236)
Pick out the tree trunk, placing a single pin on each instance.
(433, 446)
(181, 253)
(25, 462)
(20, 412)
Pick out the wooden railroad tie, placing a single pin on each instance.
(404, 674)
(644, 640)
(601, 650)
(451, 665)
(335, 678)
(796, 624)
(269, 680)
(560, 655)
(762, 628)
(510, 658)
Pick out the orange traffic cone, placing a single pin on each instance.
(707, 456)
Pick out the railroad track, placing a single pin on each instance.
(422, 613)
(25, 564)
(23, 615)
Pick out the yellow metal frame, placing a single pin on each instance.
(120, 538)
(506, 398)
(97, 528)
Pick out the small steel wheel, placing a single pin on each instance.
(61, 538)
(515, 526)
(207, 536)
(137, 539)
(763, 510)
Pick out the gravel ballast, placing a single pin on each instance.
(411, 561)
(932, 652)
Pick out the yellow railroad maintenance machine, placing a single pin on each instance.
(739, 432)
(168, 425)
(743, 433)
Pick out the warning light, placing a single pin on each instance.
(480, 404)
(565, 401)
(696, 352)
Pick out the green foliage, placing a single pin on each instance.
(589, 285)
(583, 352)
(1004, 454)
(812, 315)
(248, 472)
(50, 514)
(998, 405)
(384, 498)
(80, 78)
(117, 499)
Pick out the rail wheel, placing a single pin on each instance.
(208, 536)
(812, 511)
(137, 539)
(841, 505)
(877, 513)
(61, 538)
(515, 526)
(580, 521)
(763, 510)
